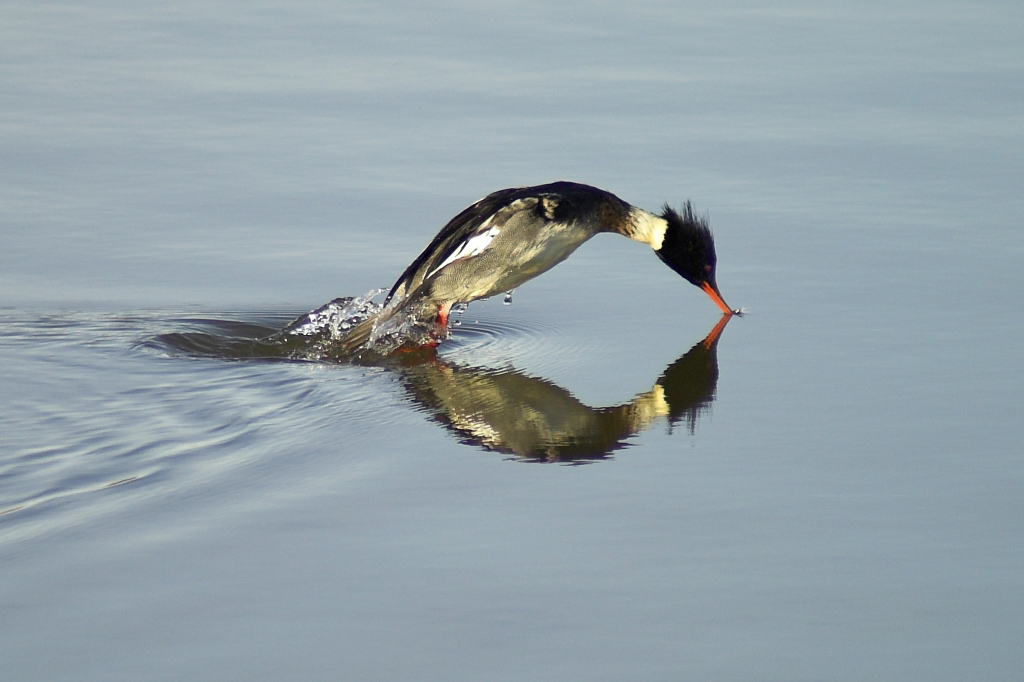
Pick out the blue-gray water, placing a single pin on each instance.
(839, 494)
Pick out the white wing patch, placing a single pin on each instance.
(473, 246)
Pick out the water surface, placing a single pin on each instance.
(575, 486)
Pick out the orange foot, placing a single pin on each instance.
(440, 332)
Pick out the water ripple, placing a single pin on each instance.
(105, 418)
(113, 413)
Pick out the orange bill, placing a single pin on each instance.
(712, 291)
(716, 332)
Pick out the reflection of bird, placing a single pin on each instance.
(507, 411)
(513, 235)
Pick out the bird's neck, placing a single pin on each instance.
(645, 227)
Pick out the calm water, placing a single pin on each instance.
(828, 488)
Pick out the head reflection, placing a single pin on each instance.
(535, 420)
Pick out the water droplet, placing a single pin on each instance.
(459, 308)
(508, 296)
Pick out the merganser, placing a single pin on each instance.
(513, 235)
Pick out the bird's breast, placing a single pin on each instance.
(554, 243)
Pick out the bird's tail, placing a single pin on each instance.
(357, 339)
(412, 323)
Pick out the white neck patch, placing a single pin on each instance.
(647, 227)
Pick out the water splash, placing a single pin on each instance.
(349, 329)
(321, 334)
(338, 331)
(335, 319)
(508, 297)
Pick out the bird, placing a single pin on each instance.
(515, 234)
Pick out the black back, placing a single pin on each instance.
(575, 202)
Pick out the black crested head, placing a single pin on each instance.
(688, 247)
